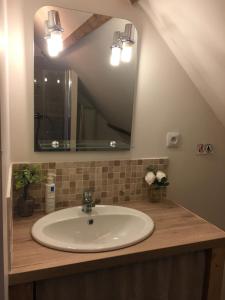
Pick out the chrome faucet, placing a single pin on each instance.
(88, 202)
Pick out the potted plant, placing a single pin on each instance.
(157, 180)
(24, 177)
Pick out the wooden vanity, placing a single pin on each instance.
(41, 273)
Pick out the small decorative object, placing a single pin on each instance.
(157, 180)
(23, 179)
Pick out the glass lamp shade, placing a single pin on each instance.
(126, 54)
(115, 56)
(55, 43)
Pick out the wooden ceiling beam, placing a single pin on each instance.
(87, 27)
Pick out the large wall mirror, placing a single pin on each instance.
(85, 69)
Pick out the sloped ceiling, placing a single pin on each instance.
(112, 88)
(195, 32)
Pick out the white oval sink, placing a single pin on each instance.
(106, 228)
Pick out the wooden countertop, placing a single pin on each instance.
(177, 230)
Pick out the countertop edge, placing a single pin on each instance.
(110, 262)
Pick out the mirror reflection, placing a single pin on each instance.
(85, 69)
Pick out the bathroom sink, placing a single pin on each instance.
(106, 228)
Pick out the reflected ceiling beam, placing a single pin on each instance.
(87, 27)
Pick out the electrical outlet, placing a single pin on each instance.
(173, 139)
(204, 149)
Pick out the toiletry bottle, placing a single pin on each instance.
(50, 193)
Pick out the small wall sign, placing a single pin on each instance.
(204, 149)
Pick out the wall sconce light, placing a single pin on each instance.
(116, 49)
(53, 33)
(128, 41)
(122, 45)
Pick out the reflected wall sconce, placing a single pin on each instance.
(116, 49)
(121, 49)
(53, 33)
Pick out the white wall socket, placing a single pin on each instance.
(172, 139)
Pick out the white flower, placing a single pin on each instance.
(150, 178)
(160, 175)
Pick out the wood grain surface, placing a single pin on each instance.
(179, 277)
(22, 292)
(177, 231)
(94, 22)
(214, 274)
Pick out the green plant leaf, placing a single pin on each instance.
(27, 175)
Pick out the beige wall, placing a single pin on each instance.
(166, 100)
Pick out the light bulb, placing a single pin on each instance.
(52, 50)
(55, 43)
(126, 54)
(115, 56)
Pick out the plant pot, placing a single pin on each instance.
(157, 194)
(25, 207)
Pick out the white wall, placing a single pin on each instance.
(194, 31)
(5, 152)
(166, 100)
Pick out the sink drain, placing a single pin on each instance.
(90, 222)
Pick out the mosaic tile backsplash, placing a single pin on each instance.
(111, 182)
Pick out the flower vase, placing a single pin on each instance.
(156, 193)
(25, 204)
